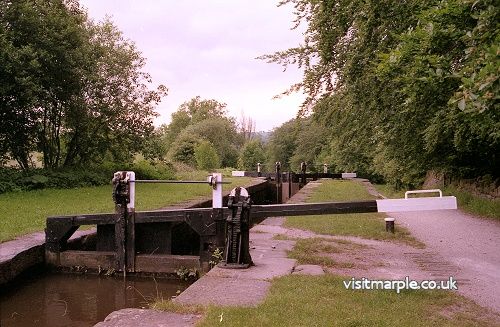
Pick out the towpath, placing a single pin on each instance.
(462, 246)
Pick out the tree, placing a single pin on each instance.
(192, 112)
(281, 146)
(118, 107)
(206, 156)
(44, 52)
(251, 154)
(246, 127)
(403, 87)
(310, 142)
(72, 89)
(183, 149)
(203, 120)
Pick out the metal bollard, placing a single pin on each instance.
(389, 224)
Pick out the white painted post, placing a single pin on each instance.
(131, 179)
(217, 191)
(258, 167)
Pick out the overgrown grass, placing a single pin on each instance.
(388, 191)
(314, 251)
(367, 225)
(476, 205)
(323, 301)
(473, 204)
(25, 212)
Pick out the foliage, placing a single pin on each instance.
(70, 88)
(34, 179)
(251, 154)
(183, 148)
(198, 120)
(206, 156)
(154, 147)
(187, 274)
(402, 87)
(192, 112)
(298, 140)
(216, 257)
(281, 145)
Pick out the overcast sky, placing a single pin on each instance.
(208, 48)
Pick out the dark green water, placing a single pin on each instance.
(78, 300)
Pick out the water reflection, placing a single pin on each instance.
(72, 300)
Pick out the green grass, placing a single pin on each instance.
(25, 212)
(388, 191)
(323, 301)
(473, 204)
(367, 225)
(314, 251)
(488, 208)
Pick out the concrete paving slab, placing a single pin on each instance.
(265, 268)
(225, 292)
(148, 318)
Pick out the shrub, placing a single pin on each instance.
(206, 156)
(16, 180)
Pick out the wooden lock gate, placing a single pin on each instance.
(223, 228)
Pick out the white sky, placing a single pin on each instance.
(208, 48)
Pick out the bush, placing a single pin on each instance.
(152, 170)
(206, 156)
(16, 180)
(251, 154)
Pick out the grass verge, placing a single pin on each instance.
(324, 301)
(476, 205)
(367, 225)
(311, 251)
(25, 212)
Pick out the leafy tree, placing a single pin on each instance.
(192, 112)
(71, 88)
(206, 156)
(310, 142)
(200, 119)
(281, 145)
(183, 149)
(44, 52)
(251, 154)
(154, 147)
(119, 106)
(403, 87)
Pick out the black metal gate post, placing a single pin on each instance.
(237, 252)
(303, 169)
(123, 196)
(279, 183)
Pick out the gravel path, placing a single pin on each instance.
(469, 248)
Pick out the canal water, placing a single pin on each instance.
(78, 300)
